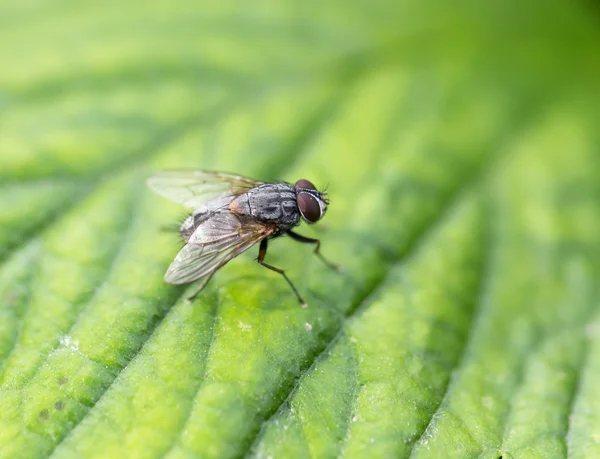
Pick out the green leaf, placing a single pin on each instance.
(459, 143)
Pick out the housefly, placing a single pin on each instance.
(232, 213)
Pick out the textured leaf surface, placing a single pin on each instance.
(460, 146)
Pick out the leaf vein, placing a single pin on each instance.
(475, 318)
(202, 382)
(20, 324)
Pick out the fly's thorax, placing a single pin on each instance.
(271, 202)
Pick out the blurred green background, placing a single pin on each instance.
(459, 144)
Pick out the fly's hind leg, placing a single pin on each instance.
(262, 252)
(200, 287)
(308, 240)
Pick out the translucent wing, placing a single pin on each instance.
(215, 241)
(194, 189)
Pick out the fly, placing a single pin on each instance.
(232, 213)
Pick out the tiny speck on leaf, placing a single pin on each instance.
(308, 326)
(244, 327)
(45, 415)
(59, 405)
(69, 342)
(63, 380)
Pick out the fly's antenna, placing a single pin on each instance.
(323, 194)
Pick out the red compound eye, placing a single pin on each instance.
(304, 185)
(309, 207)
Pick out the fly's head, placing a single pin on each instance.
(311, 202)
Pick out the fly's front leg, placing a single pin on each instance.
(308, 240)
(262, 253)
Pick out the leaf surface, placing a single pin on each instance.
(459, 146)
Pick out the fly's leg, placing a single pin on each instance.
(262, 252)
(200, 288)
(170, 228)
(308, 240)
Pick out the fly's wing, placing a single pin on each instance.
(194, 189)
(214, 242)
